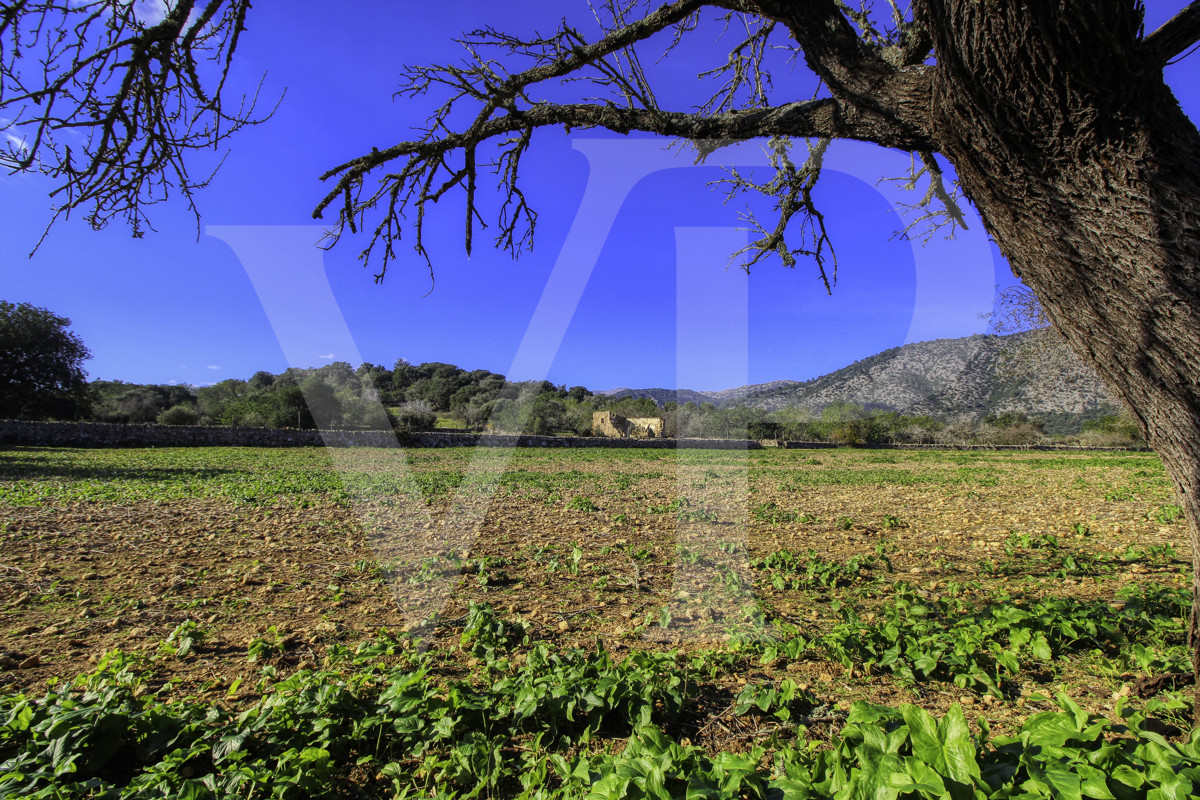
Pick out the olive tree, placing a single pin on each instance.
(1054, 116)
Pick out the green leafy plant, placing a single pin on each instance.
(1167, 515)
(770, 512)
(485, 634)
(916, 638)
(182, 641)
(582, 503)
(271, 643)
(790, 570)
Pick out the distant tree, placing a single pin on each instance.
(216, 399)
(261, 380)
(1011, 419)
(1015, 433)
(379, 379)
(1112, 430)
(41, 364)
(765, 429)
(322, 402)
(337, 374)
(403, 375)
(548, 415)
(134, 403)
(842, 411)
(290, 410)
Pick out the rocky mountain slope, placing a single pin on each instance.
(946, 378)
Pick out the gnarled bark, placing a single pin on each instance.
(1087, 174)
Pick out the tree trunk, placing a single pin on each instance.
(1087, 174)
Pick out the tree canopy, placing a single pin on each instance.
(41, 364)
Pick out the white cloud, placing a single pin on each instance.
(212, 366)
(150, 12)
(328, 357)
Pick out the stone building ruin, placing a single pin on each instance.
(614, 426)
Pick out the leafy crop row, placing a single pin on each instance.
(385, 723)
(917, 638)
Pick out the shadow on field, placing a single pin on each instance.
(37, 467)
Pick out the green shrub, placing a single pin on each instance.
(179, 415)
(412, 418)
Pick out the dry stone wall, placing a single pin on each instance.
(95, 434)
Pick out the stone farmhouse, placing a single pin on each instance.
(614, 426)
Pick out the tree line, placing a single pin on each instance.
(42, 377)
(422, 397)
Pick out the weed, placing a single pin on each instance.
(770, 512)
(487, 570)
(701, 514)
(789, 570)
(1027, 541)
(1166, 515)
(183, 640)
(271, 643)
(581, 503)
(485, 634)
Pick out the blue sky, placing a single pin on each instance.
(174, 308)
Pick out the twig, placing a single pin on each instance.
(714, 720)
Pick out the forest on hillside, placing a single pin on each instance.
(418, 397)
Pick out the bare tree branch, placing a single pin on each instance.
(901, 42)
(1035, 351)
(1175, 35)
(893, 88)
(504, 111)
(108, 101)
(743, 70)
(939, 209)
(831, 47)
(791, 187)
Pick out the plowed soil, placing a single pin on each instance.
(309, 549)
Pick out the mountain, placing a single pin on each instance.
(945, 378)
(721, 398)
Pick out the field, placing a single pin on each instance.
(502, 623)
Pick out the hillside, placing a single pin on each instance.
(946, 378)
